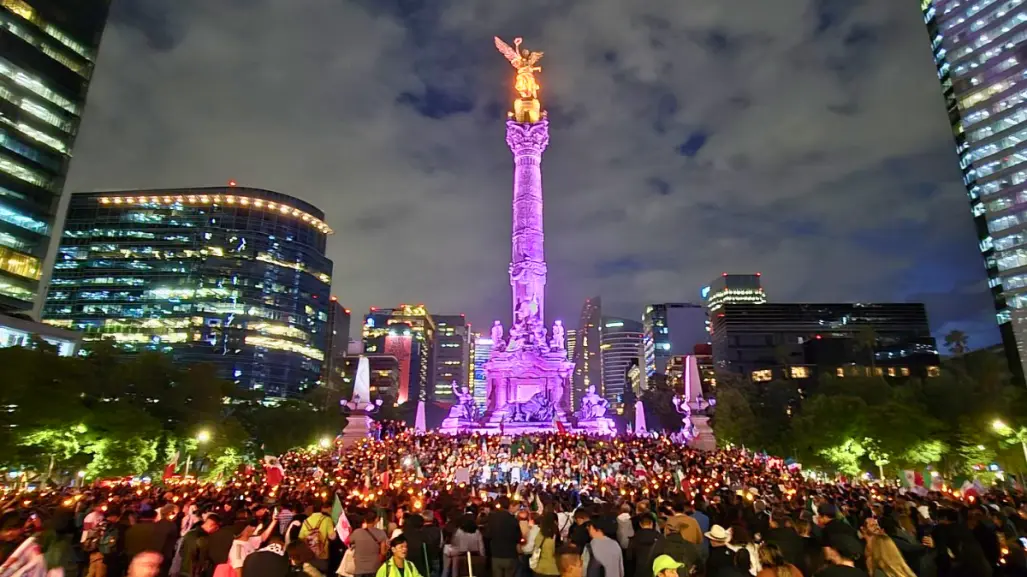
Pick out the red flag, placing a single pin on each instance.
(560, 428)
(169, 470)
(273, 471)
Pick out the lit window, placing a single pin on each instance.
(878, 372)
(905, 371)
(933, 371)
(840, 372)
(891, 371)
(25, 173)
(28, 223)
(32, 83)
(762, 376)
(799, 372)
(24, 10)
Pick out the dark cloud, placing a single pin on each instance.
(822, 155)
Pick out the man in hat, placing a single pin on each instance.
(721, 557)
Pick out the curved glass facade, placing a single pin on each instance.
(232, 276)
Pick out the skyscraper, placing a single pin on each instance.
(47, 55)
(572, 341)
(620, 348)
(978, 51)
(733, 288)
(452, 356)
(588, 366)
(336, 344)
(479, 385)
(671, 328)
(233, 276)
(407, 333)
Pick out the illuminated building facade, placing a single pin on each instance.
(588, 366)
(20, 332)
(671, 328)
(733, 288)
(232, 276)
(979, 54)
(572, 342)
(336, 343)
(803, 341)
(47, 55)
(452, 356)
(407, 333)
(479, 384)
(620, 349)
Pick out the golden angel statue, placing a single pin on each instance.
(525, 62)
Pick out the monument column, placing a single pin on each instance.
(527, 142)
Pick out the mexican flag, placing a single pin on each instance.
(912, 478)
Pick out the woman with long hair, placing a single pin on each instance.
(884, 558)
(773, 563)
(545, 546)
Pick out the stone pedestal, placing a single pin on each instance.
(358, 427)
(451, 425)
(515, 378)
(600, 426)
(704, 438)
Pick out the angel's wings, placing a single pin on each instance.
(507, 51)
(534, 58)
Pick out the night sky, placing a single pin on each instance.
(805, 139)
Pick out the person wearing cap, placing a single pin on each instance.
(398, 565)
(666, 566)
(842, 551)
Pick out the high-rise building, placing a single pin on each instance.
(671, 328)
(479, 385)
(978, 51)
(47, 55)
(801, 341)
(336, 343)
(572, 342)
(233, 276)
(588, 366)
(452, 356)
(620, 348)
(733, 288)
(407, 333)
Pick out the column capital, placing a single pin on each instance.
(527, 138)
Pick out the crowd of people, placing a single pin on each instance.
(546, 505)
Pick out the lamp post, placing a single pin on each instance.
(1008, 432)
(201, 438)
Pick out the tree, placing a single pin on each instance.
(866, 340)
(659, 399)
(956, 342)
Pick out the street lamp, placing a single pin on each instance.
(201, 437)
(1006, 431)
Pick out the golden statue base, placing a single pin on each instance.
(527, 110)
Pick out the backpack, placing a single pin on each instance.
(315, 540)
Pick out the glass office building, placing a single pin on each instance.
(978, 50)
(620, 349)
(47, 55)
(233, 276)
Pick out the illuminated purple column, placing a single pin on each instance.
(527, 141)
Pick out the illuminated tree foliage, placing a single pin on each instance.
(865, 424)
(112, 415)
